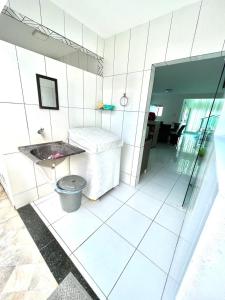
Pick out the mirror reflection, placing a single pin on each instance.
(47, 92)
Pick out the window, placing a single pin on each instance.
(157, 109)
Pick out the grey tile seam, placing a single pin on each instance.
(96, 90)
(58, 236)
(27, 124)
(136, 249)
(38, 211)
(126, 204)
(82, 38)
(132, 72)
(104, 222)
(21, 85)
(138, 246)
(40, 11)
(136, 132)
(146, 47)
(9, 102)
(28, 190)
(176, 247)
(83, 95)
(61, 106)
(126, 83)
(64, 23)
(179, 236)
(143, 72)
(72, 254)
(114, 50)
(196, 27)
(168, 39)
(68, 109)
(49, 112)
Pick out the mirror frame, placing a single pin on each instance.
(38, 76)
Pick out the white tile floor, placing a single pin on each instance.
(124, 243)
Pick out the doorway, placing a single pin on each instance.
(180, 103)
(180, 166)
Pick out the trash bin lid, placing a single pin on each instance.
(71, 183)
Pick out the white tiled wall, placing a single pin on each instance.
(89, 90)
(76, 117)
(133, 90)
(30, 63)
(117, 122)
(210, 33)
(21, 172)
(121, 52)
(50, 15)
(180, 41)
(21, 117)
(100, 46)
(75, 86)
(13, 126)
(129, 127)
(128, 59)
(109, 50)
(60, 133)
(107, 91)
(38, 118)
(20, 114)
(118, 89)
(58, 69)
(89, 39)
(73, 29)
(8, 61)
(138, 40)
(158, 39)
(29, 8)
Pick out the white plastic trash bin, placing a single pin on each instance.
(100, 164)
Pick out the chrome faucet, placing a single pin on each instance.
(40, 131)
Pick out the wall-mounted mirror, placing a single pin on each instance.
(47, 92)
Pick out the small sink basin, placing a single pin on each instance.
(49, 154)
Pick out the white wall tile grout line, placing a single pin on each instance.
(146, 46)
(196, 27)
(27, 125)
(168, 39)
(40, 11)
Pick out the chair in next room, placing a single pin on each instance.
(175, 135)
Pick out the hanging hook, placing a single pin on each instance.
(124, 100)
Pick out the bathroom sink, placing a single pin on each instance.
(49, 154)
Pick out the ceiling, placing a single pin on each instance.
(108, 17)
(196, 77)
